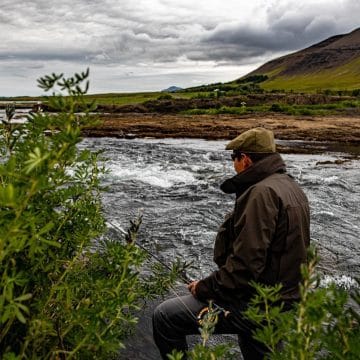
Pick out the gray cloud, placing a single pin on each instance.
(285, 28)
(163, 35)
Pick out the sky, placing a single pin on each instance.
(149, 45)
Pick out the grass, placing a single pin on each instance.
(310, 110)
(304, 83)
(135, 98)
(345, 77)
(122, 99)
(114, 99)
(118, 98)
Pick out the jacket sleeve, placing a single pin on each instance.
(255, 219)
(222, 241)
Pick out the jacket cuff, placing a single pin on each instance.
(204, 291)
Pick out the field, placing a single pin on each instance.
(131, 98)
(214, 115)
(107, 98)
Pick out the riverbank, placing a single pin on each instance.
(329, 131)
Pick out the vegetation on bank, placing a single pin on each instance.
(341, 107)
(67, 289)
(239, 99)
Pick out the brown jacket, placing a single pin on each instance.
(264, 239)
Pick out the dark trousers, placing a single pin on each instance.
(175, 318)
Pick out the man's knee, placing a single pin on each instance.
(171, 311)
(177, 315)
(159, 316)
(168, 315)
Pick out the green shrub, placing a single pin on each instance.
(276, 107)
(321, 326)
(63, 294)
(306, 112)
(252, 79)
(164, 97)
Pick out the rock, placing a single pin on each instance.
(129, 136)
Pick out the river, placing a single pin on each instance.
(175, 184)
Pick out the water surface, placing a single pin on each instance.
(175, 183)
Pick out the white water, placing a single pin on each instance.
(176, 184)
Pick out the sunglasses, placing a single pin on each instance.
(235, 155)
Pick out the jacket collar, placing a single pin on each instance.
(258, 171)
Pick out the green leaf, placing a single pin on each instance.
(7, 195)
(35, 160)
(46, 228)
(19, 315)
(50, 242)
(23, 297)
(23, 307)
(6, 314)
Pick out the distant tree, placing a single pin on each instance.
(256, 79)
(165, 97)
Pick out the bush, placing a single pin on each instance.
(355, 92)
(306, 112)
(252, 79)
(321, 326)
(276, 108)
(64, 294)
(164, 97)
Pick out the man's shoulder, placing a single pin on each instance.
(272, 186)
(261, 190)
(277, 180)
(283, 186)
(272, 181)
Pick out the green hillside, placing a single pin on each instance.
(332, 64)
(345, 77)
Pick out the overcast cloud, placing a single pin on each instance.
(152, 44)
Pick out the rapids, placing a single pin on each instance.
(175, 184)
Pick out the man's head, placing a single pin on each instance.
(250, 146)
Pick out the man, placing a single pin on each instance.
(264, 239)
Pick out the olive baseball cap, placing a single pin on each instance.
(256, 140)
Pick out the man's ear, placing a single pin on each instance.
(247, 161)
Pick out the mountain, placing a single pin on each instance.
(331, 64)
(172, 89)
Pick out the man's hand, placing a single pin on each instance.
(192, 287)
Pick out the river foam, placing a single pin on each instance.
(153, 175)
(176, 183)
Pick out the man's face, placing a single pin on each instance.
(241, 163)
